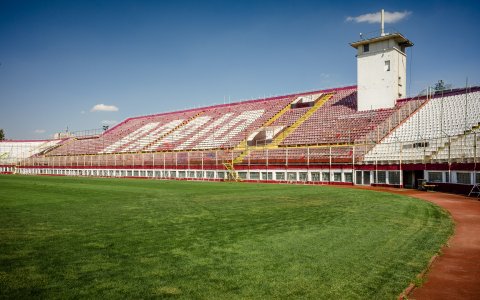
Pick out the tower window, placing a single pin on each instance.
(366, 47)
(387, 65)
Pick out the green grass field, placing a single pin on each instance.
(63, 237)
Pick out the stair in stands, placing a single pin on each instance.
(277, 140)
(383, 130)
(389, 125)
(243, 144)
(285, 133)
(240, 157)
(49, 149)
(58, 146)
(171, 131)
(278, 115)
(450, 141)
(232, 173)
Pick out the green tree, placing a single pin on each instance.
(440, 86)
(2, 135)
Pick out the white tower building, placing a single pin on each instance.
(381, 69)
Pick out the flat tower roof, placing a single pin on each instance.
(399, 38)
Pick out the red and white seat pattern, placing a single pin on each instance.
(338, 121)
(440, 122)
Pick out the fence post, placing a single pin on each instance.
(401, 174)
(475, 148)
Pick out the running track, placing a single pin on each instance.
(456, 273)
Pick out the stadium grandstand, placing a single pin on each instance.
(368, 134)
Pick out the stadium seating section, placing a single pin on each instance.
(314, 128)
(12, 152)
(443, 123)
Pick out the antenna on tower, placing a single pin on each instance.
(382, 21)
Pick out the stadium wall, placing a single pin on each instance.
(458, 180)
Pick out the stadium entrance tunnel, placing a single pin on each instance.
(264, 135)
(411, 178)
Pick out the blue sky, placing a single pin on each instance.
(61, 58)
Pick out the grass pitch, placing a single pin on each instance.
(64, 237)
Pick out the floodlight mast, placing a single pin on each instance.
(382, 21)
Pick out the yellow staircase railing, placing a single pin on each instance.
(274, 144)
(278, 115)
(242, 146)
(277, 140)
(241, 156)
(232, 173)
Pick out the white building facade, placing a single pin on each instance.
(381, 71)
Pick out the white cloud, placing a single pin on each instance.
(109, 122)
(324, 75)
(40, 131)
(390, 17)
(103, 107)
